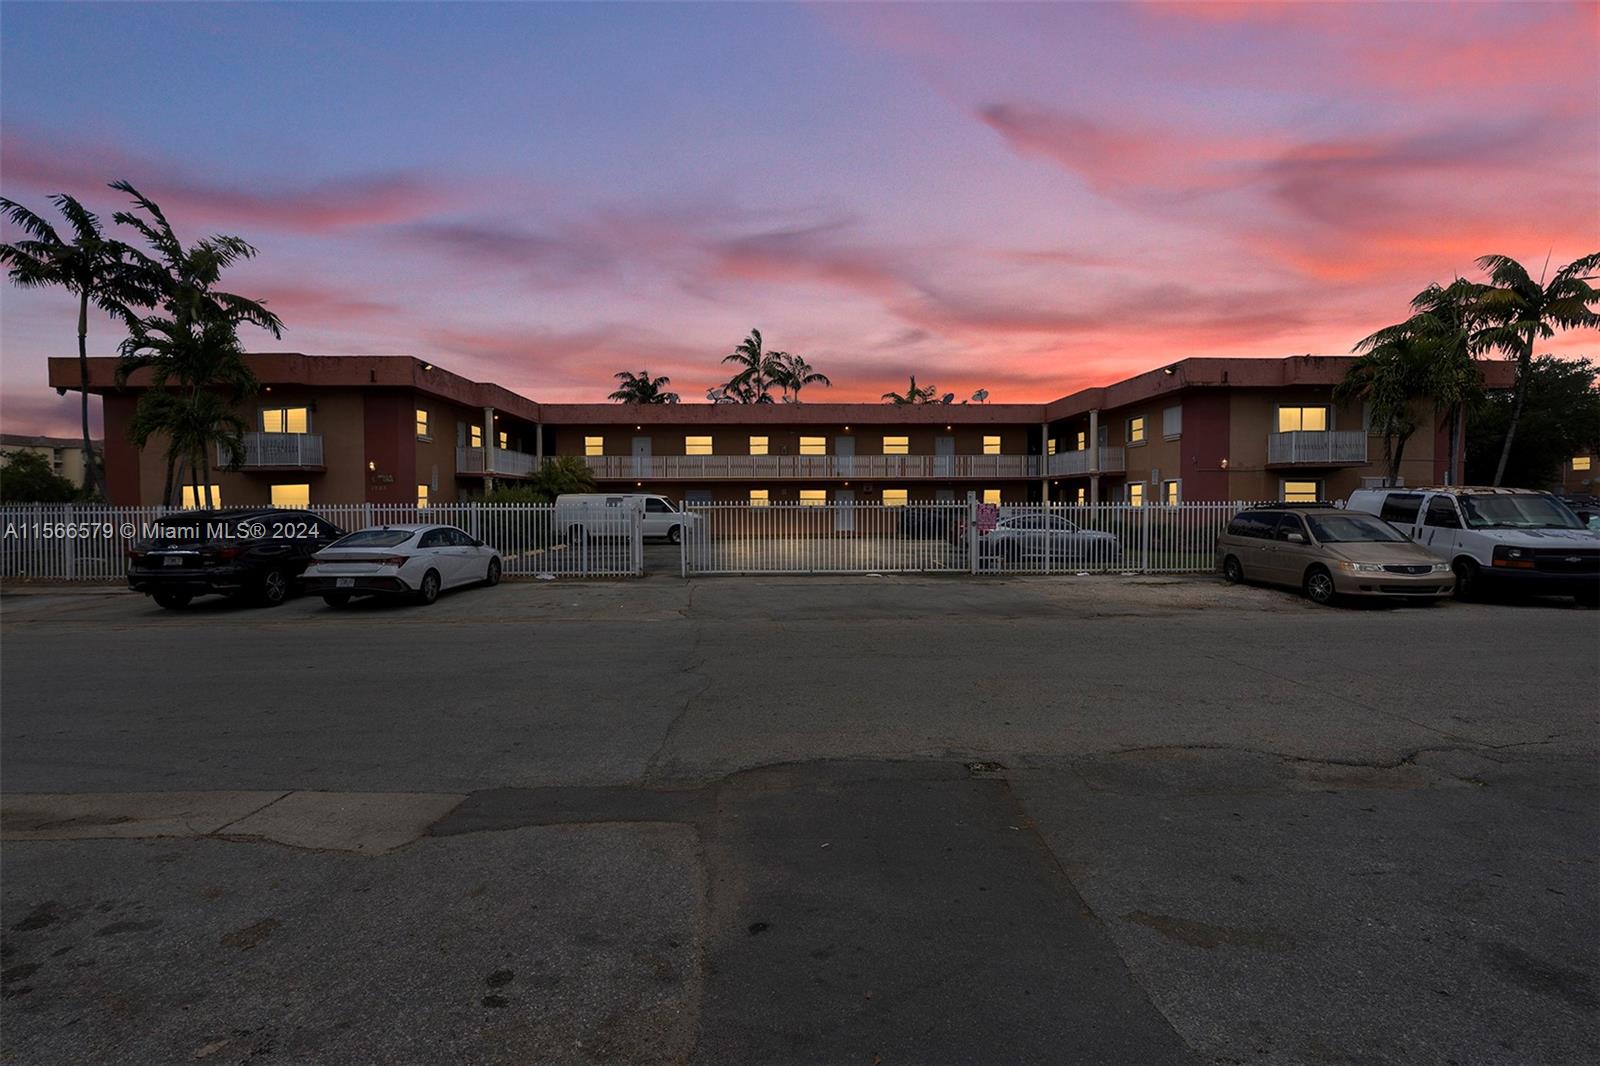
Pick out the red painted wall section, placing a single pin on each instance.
(121, 458)
(1205, 444)
(391, 446)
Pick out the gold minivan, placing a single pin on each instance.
(1327, 552)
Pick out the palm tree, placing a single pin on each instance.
(759, 370)
(193, 347)
(1525, 311)
(794, 374)
(1448, 321)
(559, 476)
(95, 268)
(1391, 377)
(642, 388)
(912, 395)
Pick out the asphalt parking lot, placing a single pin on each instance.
(892, 820)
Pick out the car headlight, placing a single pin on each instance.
(1441, 568)
(1361, 568)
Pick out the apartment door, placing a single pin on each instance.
(844, 515)
(944, 457)
(844, 452)
(641, 457)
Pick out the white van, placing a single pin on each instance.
(1517, 538)
(603, 514)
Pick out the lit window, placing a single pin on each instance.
(991, 496)
(1294, 419)
(422, 495)
(1083, 496)
(284, 420)
(991, 446)
(813, 445)
(476, 433)
(760, 497)
(897, 446)
(1170, 493)
(697, 446)
(291, 495)
(1300, 491)
(1136, 430)
(594, 446)
(1135, 493)
(1083, 440)
(193, 498)
(1580, 462)
(758, 445)
(894, 497)
(813, 497)
(505, 440)
(422, 425)
(1050, 446)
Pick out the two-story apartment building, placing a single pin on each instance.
(64, 454)
(397, 429)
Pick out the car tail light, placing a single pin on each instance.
(134, 553)
(228, 553)
(395, 560)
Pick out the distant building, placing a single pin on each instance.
(65, 454)
(1580, 474)
(396, 429)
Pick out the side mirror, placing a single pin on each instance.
(1296, 538)
(477, 543)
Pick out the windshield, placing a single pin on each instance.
(1334, 529)
(374, 538)
(1529, 511)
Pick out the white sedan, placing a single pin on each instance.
(418, 561)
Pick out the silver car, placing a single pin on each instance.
(1047, 541)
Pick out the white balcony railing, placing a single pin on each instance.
(503, 462)
(277, 449)
(810, 467)
(1317, 447)
(1076, 464)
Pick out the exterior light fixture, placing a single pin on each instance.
(427, 366)
(1169, 371)
(638, 427)
(638, 484)
(266, 388)
(371, 465)
(1224, 464)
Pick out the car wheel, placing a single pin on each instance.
(274, 588)
(675, 534)
(336, 599)
(172, 601)
(428, 591)
(1232, 572)
(491, 576)
(1467, 578)
(1319, 587)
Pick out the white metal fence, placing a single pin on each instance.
(791, 538)
(89, 543)
(76, 542)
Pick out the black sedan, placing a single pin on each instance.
(255, 554)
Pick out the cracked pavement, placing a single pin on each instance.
(756, 821)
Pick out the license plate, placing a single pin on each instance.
(344, 582)
(172, 560)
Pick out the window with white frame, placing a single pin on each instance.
(1171, 492)
(991, 445)
(1081, 497)
(991, 496)
(193, 497)
(895, 497)
(285, 420)
(1312, 418)
(422, 496)
(1136, 430)
(760, 497)
(1299, 491)
(758, 445)
(813, 497)
(504, 440)
(422, 424)
(1134, 493)
(897, 446)
(1172, 422)
(1580, 462)
(475, 436)
(1083, 440)
(697, 446)
(1050, 446)
(594, 446)
(291, 495)
(813, 445)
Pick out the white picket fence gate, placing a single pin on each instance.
(77, 542)
(862, 538)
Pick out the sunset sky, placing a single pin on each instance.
(1027, 198)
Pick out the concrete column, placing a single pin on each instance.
(1094, 442)
(1094, 488)
(488, 450)
(538, 442)
(1044, 461)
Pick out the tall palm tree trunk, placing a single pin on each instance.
(1453, 449)
(91, 483)
(1524, 371)
(205, 472)
(166, 488)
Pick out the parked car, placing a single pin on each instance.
(1047, 540)
(416, 561)
(1586, 507)
(251, 553)
(935, 520)
(1328, 552)
(1496, 537)
(594, 515)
